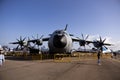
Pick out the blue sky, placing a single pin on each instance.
(31, 17)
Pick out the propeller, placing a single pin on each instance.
(20, 42)
(99, 44)
(83, 41)
(37, 41)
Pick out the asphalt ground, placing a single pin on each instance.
(50, 70)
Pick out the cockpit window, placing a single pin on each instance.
(59, 32)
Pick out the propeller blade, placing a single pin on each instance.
(33, 37)
(104, 40)
(20, 46)
(100, 39)
(105, 47)
(87, 37)
(28, 43)
(41, 36)
(37, 36)
(24, 39)
(17, 40)
(84, 48)
(17, 47)
(28, 39)
(20, 38)
(82, 36)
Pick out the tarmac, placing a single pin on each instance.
(50, 70)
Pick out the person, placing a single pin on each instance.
(115, 54)
(98, 56)
(2, 58)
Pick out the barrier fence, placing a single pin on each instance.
(59, 57)
(62, 57)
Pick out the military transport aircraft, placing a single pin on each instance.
(61, 42)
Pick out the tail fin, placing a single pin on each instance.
(66, 27)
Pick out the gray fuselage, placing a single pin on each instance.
(60, 42)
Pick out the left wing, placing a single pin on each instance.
(35, 40)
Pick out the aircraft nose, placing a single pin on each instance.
(59, 41)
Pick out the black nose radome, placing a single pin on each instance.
(59, 41)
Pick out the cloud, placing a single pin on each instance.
(115, 46)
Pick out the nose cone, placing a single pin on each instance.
(59, 41)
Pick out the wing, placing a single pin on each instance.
(75, 39)
(46, 39)
(108, 44)
(14, 43)
(35, 40)
(78, 40)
